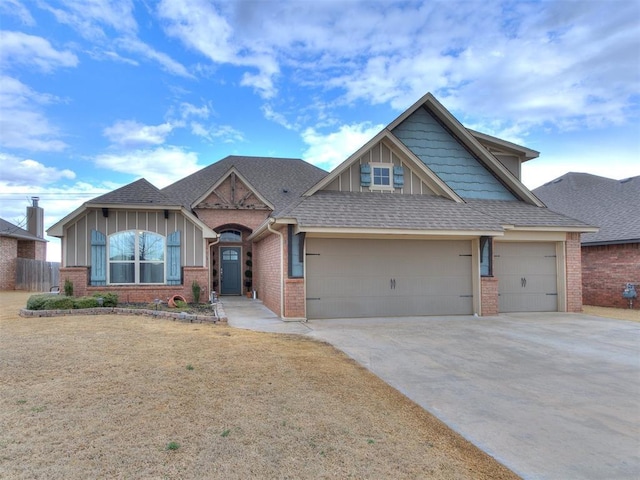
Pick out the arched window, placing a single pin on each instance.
(136, 256)
(231, 236)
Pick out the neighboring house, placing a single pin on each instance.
(427, 218)
(16, 242)
(611, 256)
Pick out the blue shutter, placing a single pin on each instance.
(174, 276)
(365, 175)
(398, 177)
(98, 258)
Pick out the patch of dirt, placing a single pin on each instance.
(104, 397)
(617, 313)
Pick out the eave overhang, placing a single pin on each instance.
(57, 229)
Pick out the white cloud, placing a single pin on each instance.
(134, 45)
(189, 110)
(91, 17)
(17, 9)
(161, 166)
(329, 150)
(202, 27)
(22, 124)
(17, 171)
(280, 119)
(225, 133)
(129, 133)
(21, 49)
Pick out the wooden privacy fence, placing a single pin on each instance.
(36, 275)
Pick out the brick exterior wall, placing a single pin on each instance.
(266, 271)
(27, 249)
(79, 276)
(574, 272)
(489, 296)
(41, 251)
(216, 218)
(605, 271)
(8, 255)
(294, 298)
(138, 293)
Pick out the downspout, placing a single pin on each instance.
(271, 222)
(211, 245)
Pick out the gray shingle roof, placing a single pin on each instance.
(522, 214)
(379, 210)
(280, 180)
(8, 229)
(612, 205)
(140, 192)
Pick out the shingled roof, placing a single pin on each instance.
(8, 229)
(281, 181)
(520, 214)
(140, 192)
(612, 205)
(379, 210)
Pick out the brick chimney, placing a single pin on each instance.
(35, 218)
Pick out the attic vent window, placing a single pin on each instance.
(382, 176)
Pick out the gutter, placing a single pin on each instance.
(268, 225)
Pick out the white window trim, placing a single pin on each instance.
(136, 262)
(388, 166)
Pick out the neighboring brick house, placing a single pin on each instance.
(16, 242)
(426, 218)
(611, 256)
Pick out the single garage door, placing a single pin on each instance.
(378, 278)
(527, 276)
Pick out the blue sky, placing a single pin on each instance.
(96, 94)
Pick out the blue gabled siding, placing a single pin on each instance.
(443, 154)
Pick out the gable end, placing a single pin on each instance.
(443, 153)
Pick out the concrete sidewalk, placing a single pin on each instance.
(552, 396)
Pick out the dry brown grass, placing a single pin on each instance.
(617, 313)
(101, 397)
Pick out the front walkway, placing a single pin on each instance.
(548, 395)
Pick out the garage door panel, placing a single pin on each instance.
(533, 284)
(528, 303)
(438, 285)
(527, 277)
(372, 278)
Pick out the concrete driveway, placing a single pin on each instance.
(551, 396)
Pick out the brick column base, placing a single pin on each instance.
(489, 296)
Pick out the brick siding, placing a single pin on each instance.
(266, 271)
(79, 276)
(249, 218)
(294, 298)
(8, 255)
(489, 296)
(573, 272)
(605, 271)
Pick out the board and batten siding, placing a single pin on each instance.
(434, 145)
(77, 235)
(349, 180)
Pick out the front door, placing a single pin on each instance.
(230, 278)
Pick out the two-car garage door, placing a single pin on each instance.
(376, 278)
